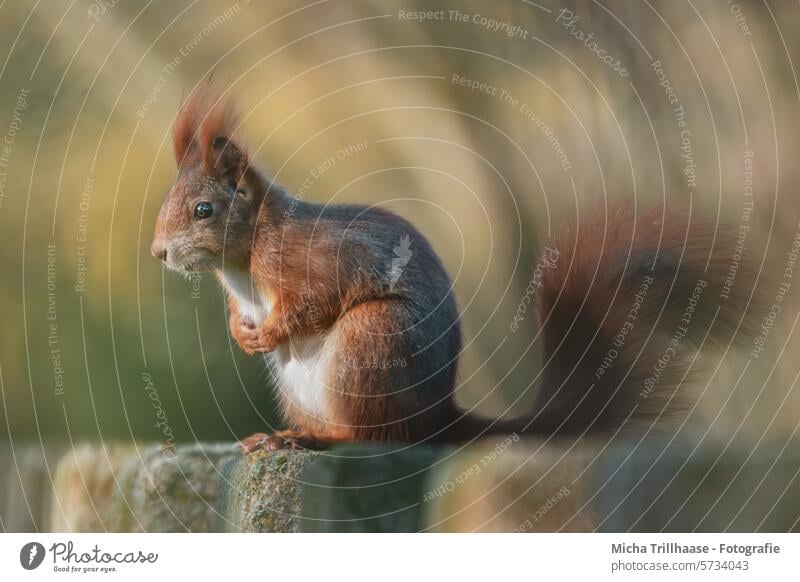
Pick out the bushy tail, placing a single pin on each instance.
(624, 308)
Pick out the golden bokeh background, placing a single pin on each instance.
(95, 331)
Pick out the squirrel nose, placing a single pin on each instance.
(159, 251)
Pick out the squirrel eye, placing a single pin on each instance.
(203, 210)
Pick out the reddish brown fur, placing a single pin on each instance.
(588, 298)
(204, 115)
(325, 268)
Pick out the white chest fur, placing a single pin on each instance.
(252, 304)
(299, 366)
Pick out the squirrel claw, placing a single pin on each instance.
(278, 441)
(267, 341)
(252, 341)
(245, 333)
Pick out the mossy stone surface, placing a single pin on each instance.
(500, 484)
(129, 488)
(261, 491)
(176, 491)
(491, 485)
(368, 488)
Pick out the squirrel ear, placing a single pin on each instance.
(227, 161)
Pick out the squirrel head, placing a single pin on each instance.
(208, 217)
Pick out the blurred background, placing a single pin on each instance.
(489, 125)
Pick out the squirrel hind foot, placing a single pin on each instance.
(279, 441)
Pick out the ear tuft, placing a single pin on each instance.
(205, 116)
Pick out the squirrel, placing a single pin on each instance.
(358, 317)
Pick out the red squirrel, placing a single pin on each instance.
(357, 315)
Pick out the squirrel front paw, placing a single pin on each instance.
(267, 339)
(244, 331)
(252, 338)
